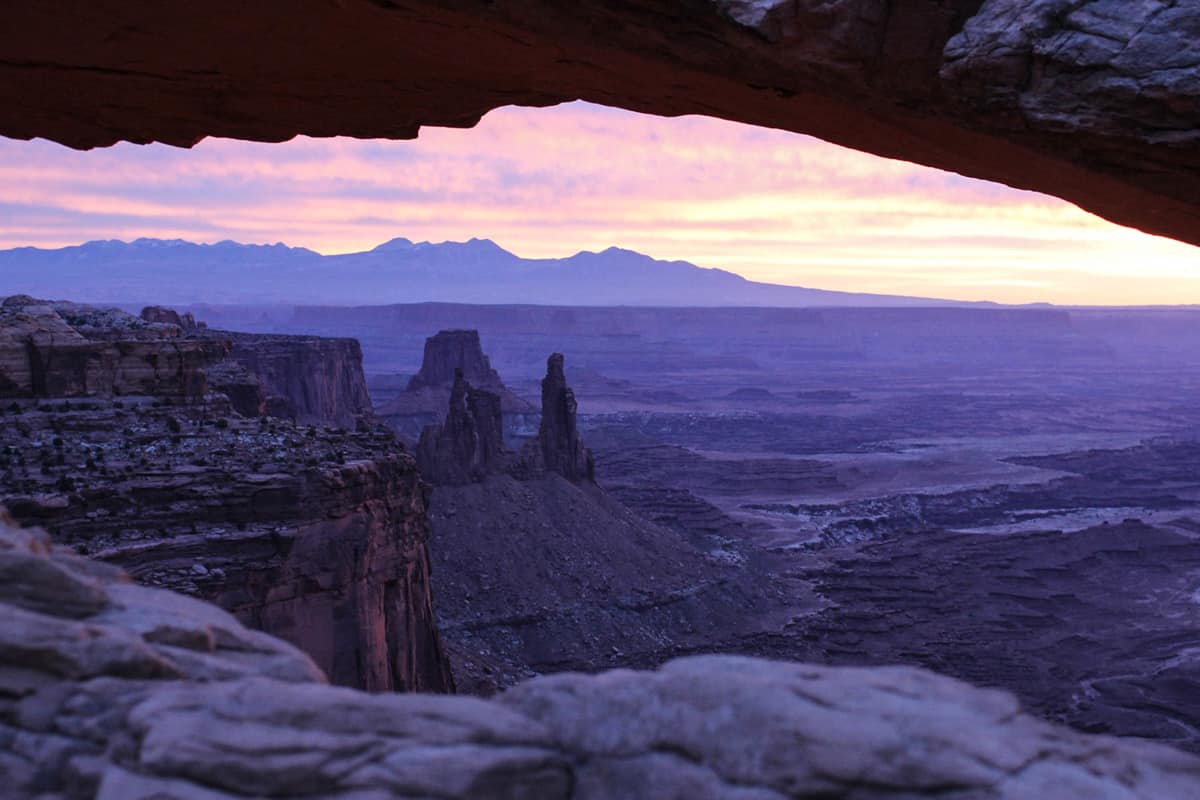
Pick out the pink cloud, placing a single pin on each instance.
(548, 182)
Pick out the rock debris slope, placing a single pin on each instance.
(1095, 101)
(538, 569)
(116, 691)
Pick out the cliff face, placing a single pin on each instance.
(244, 390)
(315, 534)
(428, 395)
(449, 352)
(66, 350)
(315, 380)
(115, 691)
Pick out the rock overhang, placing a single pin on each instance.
(1093, 101)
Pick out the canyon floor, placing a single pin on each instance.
(1010, 496)
(1031, 531)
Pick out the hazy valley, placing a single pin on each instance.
(955, 488)
(444, 498)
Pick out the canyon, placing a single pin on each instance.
(115, 441)
(1007, 496)
(840, 489)
(956, 489)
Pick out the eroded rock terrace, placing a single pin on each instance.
(123, 692)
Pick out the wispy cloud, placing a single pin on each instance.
(548, 182)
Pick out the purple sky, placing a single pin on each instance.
(772, 206)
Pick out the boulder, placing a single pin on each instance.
(137, 693)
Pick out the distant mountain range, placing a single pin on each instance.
(400, 271)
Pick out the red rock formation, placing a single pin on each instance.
(311, 379)
(264, 521)
(450, 355)
(66, 350)
(169, 316)
(331, 558)
(589, 580)
(558, 446)
(1088, 100)
(317, 535)
(244, 390)
(470, 443)
(424, 401)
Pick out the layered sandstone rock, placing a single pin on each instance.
(244, 390)
(315, 534)
(428, 394)
(61, 350)
(1095, 101)
(64, 350)
(469, 445)
(312, 535)
(116, 691)
(312, 379)
(559, 447)
(447, 353)
(169, 316)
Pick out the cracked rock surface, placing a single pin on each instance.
(1095, 101)
(129, 693)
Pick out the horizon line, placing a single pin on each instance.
(996, 304)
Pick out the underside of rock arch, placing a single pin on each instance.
(1095, 101)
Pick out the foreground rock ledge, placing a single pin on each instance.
(121, 692)
(1095, 101)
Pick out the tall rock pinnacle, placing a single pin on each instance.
(562, 450)
(469, 444)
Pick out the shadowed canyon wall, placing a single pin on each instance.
(1090, 100)
(316, 380)
(117, 441)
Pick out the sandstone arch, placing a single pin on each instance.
(1096, 101)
